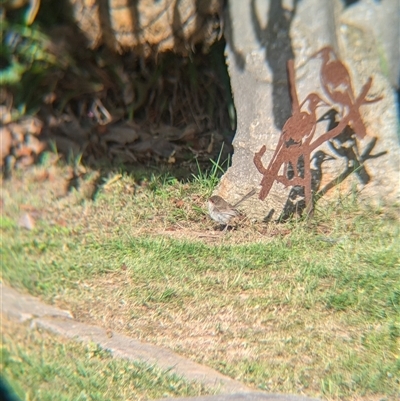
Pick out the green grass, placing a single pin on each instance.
(40, 366)
(313, 309)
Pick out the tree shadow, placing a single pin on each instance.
(275, 39)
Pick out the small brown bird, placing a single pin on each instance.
(336, 82)
(222, 212)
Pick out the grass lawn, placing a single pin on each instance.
(44, 367)
(303, 307)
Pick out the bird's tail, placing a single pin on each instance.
(247, 196)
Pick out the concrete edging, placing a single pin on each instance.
(24, 307)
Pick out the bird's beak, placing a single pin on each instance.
(316, 54)
(329, 157)
(322, 103)
(321, 52)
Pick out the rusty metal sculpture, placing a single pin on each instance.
(297, 143)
